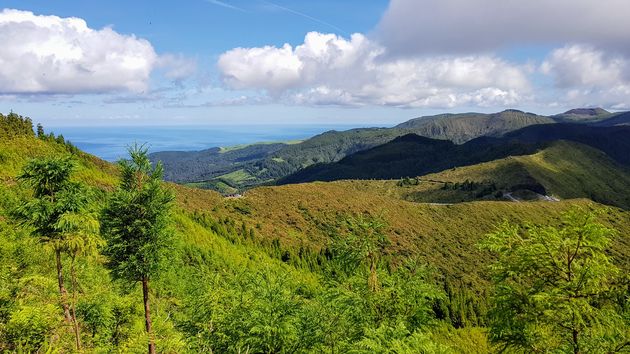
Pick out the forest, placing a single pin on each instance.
(96, 257)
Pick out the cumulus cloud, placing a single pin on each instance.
(449, 26)
(590, 76)
(50, 54)
(328, 69)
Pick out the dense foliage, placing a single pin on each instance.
(15, 125)
(231, 280)
(557, 290)
(58, 216)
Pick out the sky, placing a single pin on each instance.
(233, 62)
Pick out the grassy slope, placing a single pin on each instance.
(199, 246)
(583, 115)
(413, 155)
(225, 149)
(571, 170)
(15, 152)
(306, 214)
(445, 236)
(565, 169)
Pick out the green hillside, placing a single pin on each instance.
(614, 119)
(266, 163)
(195, 166)
(564, 170)
(412, 155)
(265, 272)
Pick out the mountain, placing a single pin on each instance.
(582, 115)
(406, 156)
(412, 155)
(262, 164)
(613, 140)
(460, 128)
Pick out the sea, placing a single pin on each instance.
(110, 143)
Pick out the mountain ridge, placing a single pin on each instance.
(412, 156)
(259, 164)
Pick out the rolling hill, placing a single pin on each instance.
(258, 164)
(305, 214)
(614, 120)
(582, 115)
(412, 155)
(564, 170)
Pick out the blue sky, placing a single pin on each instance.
(367, 62)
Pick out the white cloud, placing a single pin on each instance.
(328, 69)
(50, 54)
(580, 65)
(270, 68)
(590, 76)
(449, 26)
(177, 67)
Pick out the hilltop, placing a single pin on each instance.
(583, 115)
(460, 128)
(260, 164)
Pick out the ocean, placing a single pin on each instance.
(110, 143)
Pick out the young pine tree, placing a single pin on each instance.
(555, 288)
(59, 217)
(135, 223)
(364, 245)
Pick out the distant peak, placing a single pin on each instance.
(512, 111)
(587, 111)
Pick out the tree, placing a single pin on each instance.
(554, 287)
(364, 244)
(13, 125)
(81, 231)
(40, 131)
(135, 223)
(58, 215)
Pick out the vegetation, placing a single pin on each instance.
(268, 162)
(321, 267)
(207, 165)
(564, 170)
(413, 155)
(461, 128)
(581, 115)
(58, 217)
(13, 125)
(135, 224)
(556, 289)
